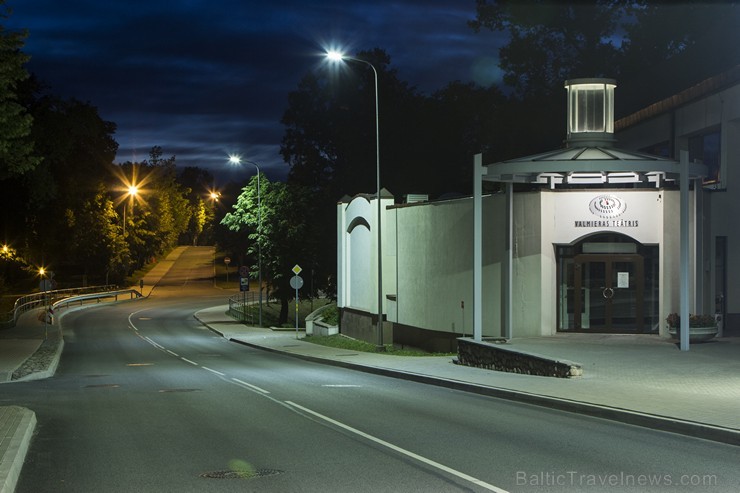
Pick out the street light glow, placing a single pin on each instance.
(334, 56)
(133, 190)
(234, 159)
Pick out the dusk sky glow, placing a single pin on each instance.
(205, 79)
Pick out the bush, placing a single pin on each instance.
(331, 316)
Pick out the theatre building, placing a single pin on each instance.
(628, 222)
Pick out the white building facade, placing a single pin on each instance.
(589, 238)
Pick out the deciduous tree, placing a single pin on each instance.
(16, 147)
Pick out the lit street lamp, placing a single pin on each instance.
(130, 194)
(336, 56)
(237, 161)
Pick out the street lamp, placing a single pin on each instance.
(131, 193)
(337, 56)
(237, 161)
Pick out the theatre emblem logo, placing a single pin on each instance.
(607, 206)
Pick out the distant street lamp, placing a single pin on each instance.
(336, 56)
(133, 190)
(233, 159)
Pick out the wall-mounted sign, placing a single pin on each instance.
(635, 213)
(607, 206)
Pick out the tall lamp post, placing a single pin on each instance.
(237, 160)
(130, 194)
(337, 56)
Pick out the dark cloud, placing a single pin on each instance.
(203, 78)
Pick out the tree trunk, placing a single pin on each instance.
(284, 305)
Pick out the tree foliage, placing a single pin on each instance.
(670, 44)
(283, 228)
(16, 147)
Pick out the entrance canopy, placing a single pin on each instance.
(588, 159)
(589, 165)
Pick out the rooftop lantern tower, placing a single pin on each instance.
(590, 112)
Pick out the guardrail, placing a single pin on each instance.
(96, 296)
(52, 298)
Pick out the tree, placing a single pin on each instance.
(16, 147)
(671, 45)
(675, 45)
(95, 241)
(198, 184)
(162, 211)
(285, 237)
(551, 41)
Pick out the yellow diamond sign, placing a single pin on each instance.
(296, 269)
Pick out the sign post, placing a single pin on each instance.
(296, 282)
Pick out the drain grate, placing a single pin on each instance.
(257, 473)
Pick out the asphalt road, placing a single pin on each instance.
(148, 400)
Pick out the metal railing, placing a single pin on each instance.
(244, 307)
(48, 298)
(81, 299)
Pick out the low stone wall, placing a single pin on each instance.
(363, 326)
(495, 356)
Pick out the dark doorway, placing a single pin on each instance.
(604, 287)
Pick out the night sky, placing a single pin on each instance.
(205, 78)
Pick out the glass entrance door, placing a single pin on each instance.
(608, 293)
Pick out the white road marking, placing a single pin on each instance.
(188, 361)
(213, 371)
(173, 353)
(400, 450)
(153, 343)
(341, 386)
(253, 387)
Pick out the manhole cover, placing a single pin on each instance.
(257, 473)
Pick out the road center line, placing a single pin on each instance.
(153, 343)
(188, 361)
(213, 371)
(400, 450)
(253, 387)
(173, 353)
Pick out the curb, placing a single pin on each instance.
(645, 420)
(12, 460)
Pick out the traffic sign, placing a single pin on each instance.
(244, 271)
(296, 269)
(227, 260)
(243, 284)
(296, 282)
